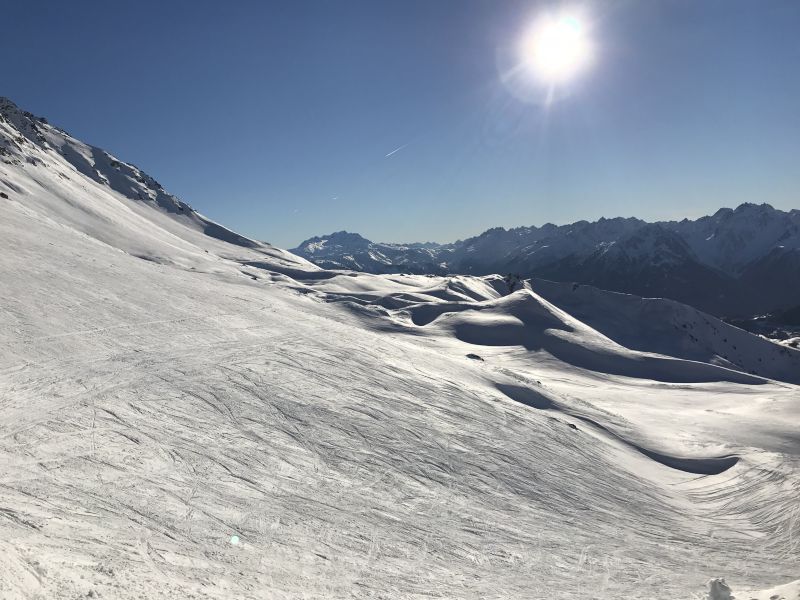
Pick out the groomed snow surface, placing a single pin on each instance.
(185, 413)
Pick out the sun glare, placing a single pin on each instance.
(557, 48)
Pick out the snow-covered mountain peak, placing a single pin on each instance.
(731, 239)
(345, 250)
(340, 239)
(650, 245)
(751, 207)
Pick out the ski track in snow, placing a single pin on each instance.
(154, 412)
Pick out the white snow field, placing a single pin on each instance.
(185, 413)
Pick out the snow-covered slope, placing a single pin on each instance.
(673, 329)
(186, 416)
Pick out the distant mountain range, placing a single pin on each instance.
(735, 262)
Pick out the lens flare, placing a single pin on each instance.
(556, 48)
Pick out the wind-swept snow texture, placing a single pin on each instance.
(186, 413)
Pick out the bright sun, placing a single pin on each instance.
(557, 48)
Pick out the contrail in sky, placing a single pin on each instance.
(396, 150)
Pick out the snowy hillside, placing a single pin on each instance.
(673, 329)
(736, 262)
(186, 413)
(47, 171)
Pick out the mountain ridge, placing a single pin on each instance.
(118, 198)
(720, 263)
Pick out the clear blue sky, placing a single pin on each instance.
(275, 118)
